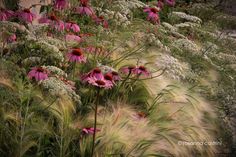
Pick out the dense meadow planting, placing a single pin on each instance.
(117, 78)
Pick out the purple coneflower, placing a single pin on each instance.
(115, 75)
(170, 2)
(101, 21)
(153, 15)
(101, 83)
(53, 21)
(60, 4)
(5, 14)
(48, 19)
(76, 55)
(38, 73)
(26, 15)
(108, 77)
(141, 70)
(128, 70)
(59, 25)
(160, 4)
(84, 8)
(72, 26)
(96, 78)
(89, 130)
(95, 73)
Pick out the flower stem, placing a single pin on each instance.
(73, 75)
(95, 122)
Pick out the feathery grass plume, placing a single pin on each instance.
(181, 115)
(20, 121)
(174, 119)
(119, 130)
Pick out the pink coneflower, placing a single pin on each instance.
(170, 2)
(60, 4)
(153, 15)
(89, 130)
(53, 21)
(59, 25)
(38, 73)
(128, 70)
(48, 19)
(26, 15)
(101, 21)
(76, 55)
(141, 70)
(11, 38)
(95, 73)
(108, 77)
(115, 76)
(84, 8)
(101, 83)
(160, 4)
(5, 14)
(96, 78)
(72, 26)
(72, 37)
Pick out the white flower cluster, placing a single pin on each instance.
(121, 11)
(13, 27)
(186, 45)
(187, 25)
(121, 19)
(169, 27)
(31, 61)
(58, 88)
(126, 6)
(38, 48)
(116, 17)
(50, 51)
(173, 30)
(153, 40)
(210, 48)
(227, 58)
(178, 35)
(54, 41)
(174, 68)
(55, 70)
(187, 17)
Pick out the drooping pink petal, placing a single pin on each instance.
(72, 26)
(38, 73)
(60, 4)
(26, 15)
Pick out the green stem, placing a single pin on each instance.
(95, 122)
(73, 75)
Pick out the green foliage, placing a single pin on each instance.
(11, 4)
